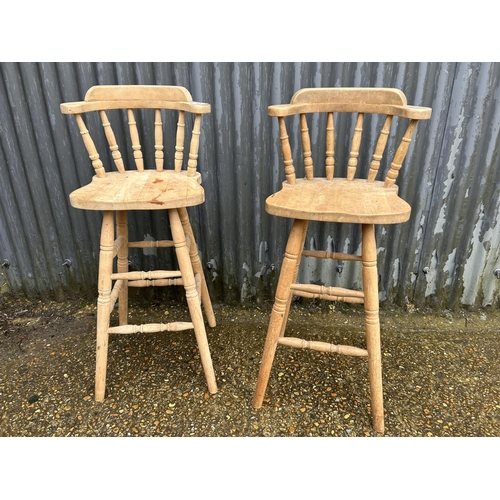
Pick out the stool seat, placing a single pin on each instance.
(133, 190)
(339, 200)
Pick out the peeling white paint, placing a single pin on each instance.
(152, 250)
(263, 260)
(347, 242)
(247, 290)
(395, 272)
(329, 244)
(451, 171)
(421, 228)
(431, 275)
(441, 220)
(449, 267)
(474, 265)
(212, 269)
(420, 231)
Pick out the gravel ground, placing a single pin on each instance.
(441, 374)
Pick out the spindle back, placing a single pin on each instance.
(360, 101)
(131, 98)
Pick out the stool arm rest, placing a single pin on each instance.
(412, 112)
(77, 107)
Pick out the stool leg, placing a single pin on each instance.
(103, 302)
(372, 322)
(122, 264)
(192, 297)
(294, 279)
(281, 305)
(197, 267)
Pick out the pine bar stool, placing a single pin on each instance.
(337, 199)
(117, 192)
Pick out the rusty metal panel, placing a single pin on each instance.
(445, 255)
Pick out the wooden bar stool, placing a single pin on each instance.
(337, 199)
(116, 192)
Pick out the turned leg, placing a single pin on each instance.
(372, 322)
(281, 305)
(197, 267)
(122, 264)
(294, 279)
(103, 302)
(192, 298)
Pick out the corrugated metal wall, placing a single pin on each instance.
(445, 256)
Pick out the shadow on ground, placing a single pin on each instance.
(441, 374)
